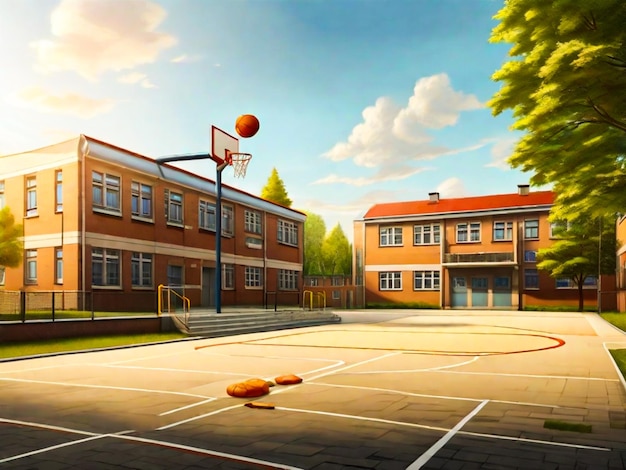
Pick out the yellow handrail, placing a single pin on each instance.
(185, 300)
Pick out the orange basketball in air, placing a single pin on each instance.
(247, 125)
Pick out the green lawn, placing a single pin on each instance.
(32, 348)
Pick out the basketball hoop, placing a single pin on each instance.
(239, 161)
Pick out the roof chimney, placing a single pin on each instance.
(523, 189)
(433, 197)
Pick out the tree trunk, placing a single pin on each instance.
(581, 299)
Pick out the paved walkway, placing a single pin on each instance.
(383, 390)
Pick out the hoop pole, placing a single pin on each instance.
(218, 238)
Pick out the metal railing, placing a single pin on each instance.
(175, 305)
(311, 297)
(506, 257)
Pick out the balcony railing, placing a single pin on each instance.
(462, 258)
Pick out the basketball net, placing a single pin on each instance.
(239, 162)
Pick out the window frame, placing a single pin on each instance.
(253, 222)
(429, 280)
(433, 234)
(31, 196)
(253, 277)
(390, 281)
(58, 265)
(58, 191)
(207, 214)
(138, 197)
(288, 279)
(531, 274)
(532, 230)
(471, 230)
(174, 207)
(287, 232)
(506, 230)
(228, 220)
(107, 188)
(108, 258)
(138, 277)
(390, 235)
(30, 266)
(228, 276)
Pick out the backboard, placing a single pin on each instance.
(222, 143)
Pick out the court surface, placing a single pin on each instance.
(381, 390)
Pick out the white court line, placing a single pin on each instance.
(198, 450)
(93, 437)
(169, 369)
(426, 456)
(193, 405)
(423, 395)
(534, 441)
(122, 435)
(617, 369)
(430, 369)
(530, 376)
(292, 387)
(105, 387)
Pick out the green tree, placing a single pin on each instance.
(274, 190)
(566, 87)
(336, 253)
(314, 233)
(584, 247)
(11, 247)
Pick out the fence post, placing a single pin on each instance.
(53, 309)
(23, 306)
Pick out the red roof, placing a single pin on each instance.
(464, 204)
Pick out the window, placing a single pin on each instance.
(228, 276)
(390, 236)
(2, 194)
(480, 283)
(531, 279)
(503, 231)
(106, 192)
(426, 280)
(58, 193)
(557, 228)
(314, 281)
(337, 281)
(336, 295)
(206, 215)
(287, 279)
(31, 196)
(590, 282)
(174, 275)
(173, 207)
(2, 275)
(58, 265)
(426, 234)
(287, 233)
(31, 266)
(531, 229)
(105, 267)
(141, 200)
(390, 280)
(253, 277)
(530, 256)
(141, 269)
(252, 221)
(228, 221)
(502, 283)
(468, 232)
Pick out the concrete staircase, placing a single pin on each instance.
(210, 324)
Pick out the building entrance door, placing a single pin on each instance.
(480, 292)
(459, 292)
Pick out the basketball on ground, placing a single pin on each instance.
(247, 125)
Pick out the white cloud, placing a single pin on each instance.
(390, 173)
(136, 77)
(391, 135)
(451, 188)
(501, 150)
(185, 58)
(68, 103)
(92, 37)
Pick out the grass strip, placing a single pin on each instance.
(33, 348)
(565, 426)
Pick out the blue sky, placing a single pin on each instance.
(360, 101)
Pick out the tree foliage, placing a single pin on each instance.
(566, 87)
(336, 253)
(11, 247)
(314, 233)
(274, 190)
(584, 247)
